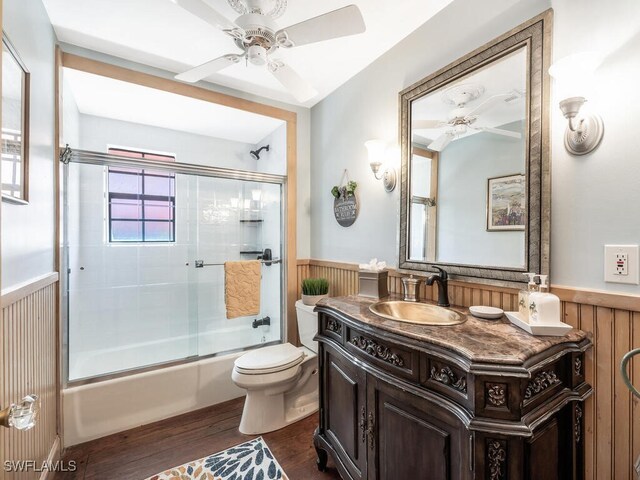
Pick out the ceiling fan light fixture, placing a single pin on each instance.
(460, 129)
(256, 33)
(257, 55)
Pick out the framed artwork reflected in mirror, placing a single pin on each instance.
(15, 125)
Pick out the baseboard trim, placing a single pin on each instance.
(53, 457)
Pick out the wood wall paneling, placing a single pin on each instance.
(28, 350)
(612, 414)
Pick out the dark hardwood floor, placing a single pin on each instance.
(144, 451)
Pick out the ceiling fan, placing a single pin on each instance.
(257, 34)
(462, 117)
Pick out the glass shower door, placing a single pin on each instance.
(129, 301)
(135, 298)
(236, 220)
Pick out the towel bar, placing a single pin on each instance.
(201, 264)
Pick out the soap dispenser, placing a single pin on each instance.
(523, 297)
(544, 307)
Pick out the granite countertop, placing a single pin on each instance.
(482, 341)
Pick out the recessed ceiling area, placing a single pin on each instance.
(129, 102)
(160, 34)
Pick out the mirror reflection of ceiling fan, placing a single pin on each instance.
(463, 118)
(257, 34)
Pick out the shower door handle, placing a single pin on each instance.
(201, 264)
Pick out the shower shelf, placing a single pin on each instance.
(252, 221)
(251, 252)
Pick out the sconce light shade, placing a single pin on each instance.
(573, 77)
(574, 74)
(378, 151)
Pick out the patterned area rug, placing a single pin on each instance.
(248, 461)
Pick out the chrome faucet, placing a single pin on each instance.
(442, 279)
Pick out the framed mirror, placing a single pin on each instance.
(475, 179)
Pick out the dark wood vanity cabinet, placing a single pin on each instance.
(379, 431)
(395, 408)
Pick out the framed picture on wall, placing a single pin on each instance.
(15, 125)
(506, 203)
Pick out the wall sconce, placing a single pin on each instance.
(379, 151)
(573, 76)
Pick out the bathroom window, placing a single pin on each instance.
(142, 203)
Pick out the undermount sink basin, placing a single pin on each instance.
(421, 313)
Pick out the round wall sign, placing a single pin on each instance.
(345, 209)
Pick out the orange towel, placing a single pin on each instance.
(242, 288)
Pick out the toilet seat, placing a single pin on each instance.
(275, 358)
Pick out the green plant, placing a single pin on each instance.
(315, 286)
(344, 191)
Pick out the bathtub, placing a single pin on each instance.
(109, 406)
(98, 409)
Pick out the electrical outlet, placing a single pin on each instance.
(621, 264)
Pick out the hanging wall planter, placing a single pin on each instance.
(345, 203)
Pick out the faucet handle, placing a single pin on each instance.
(443, 273)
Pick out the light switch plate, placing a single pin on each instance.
(621, 264)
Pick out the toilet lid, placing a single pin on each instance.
(270, 358)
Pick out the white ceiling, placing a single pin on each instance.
(499, 77)
(133, 103)
(161, 34)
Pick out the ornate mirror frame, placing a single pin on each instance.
(536, 34)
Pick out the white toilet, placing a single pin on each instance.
(281, 380)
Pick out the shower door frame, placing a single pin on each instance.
(288, 182)
(202, 171)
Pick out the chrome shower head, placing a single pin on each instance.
(256, 153)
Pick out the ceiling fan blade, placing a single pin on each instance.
(208, 68)
(489, 103)
(205, 11)
(289, 78)
(441, 142)
(499, 131)
(338, 23)
(426, 124)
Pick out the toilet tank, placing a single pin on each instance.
(307, 325)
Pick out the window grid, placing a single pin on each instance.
(142, 198)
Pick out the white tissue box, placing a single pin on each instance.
(373, 284)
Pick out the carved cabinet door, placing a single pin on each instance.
(413, 438)
(344, 404)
